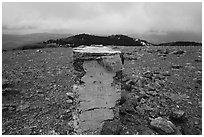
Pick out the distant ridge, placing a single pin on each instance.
(10, 41)
(180, 43)
(87, 39)
(47, 40)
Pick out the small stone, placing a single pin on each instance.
(66, 116)
(5, 81)
(177, 97)
(135, 100)
(198, 72)
(26, 131)
(176, 67)
(127, 87)
(148, 74)
(41, 95)
(156, 72)
(166, 73)
(198, 60)
(142, 82)
(69, 101)
(153, 93)
(178, 115)
(11, 108)
(142, 92)
(130, 82)
(110, 128)
(184, 96)
(52, 132)
(178, 131)
(75, 87)
(39, 91)
(140, 110)
(122, 99)
(146, 107)
(6, 84)
(70, 95)
(136, 97)
(179, 52)
(47, 99)
(196, 122)
(200, 103)
(199, 81)
(163, 126)
(39, 51)
(148, 132)
(68, 111)
(142, 101)
(23, 106)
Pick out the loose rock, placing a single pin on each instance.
(178, 115)
(163, 126)
(69, 101)
(179, 52)
(176, 67)
(23, 106)
(26, 131)
(70, 95)
(166, 73)
(110, 128)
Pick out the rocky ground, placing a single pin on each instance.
(161, 92)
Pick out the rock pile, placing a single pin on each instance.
(147, 107)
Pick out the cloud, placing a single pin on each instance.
(103, 18)
(175, 16)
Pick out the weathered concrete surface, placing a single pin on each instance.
(98, 87)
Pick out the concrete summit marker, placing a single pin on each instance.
(97, 85)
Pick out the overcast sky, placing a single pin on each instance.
(153, 21)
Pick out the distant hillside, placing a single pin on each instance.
(86, 39)
(45, 40)
(180, 43)
(15, 41)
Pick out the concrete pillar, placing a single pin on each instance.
(97, 85)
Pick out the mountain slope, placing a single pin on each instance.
(86, 39)
(180, 43)
(15, 41)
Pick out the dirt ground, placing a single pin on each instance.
(158, 83)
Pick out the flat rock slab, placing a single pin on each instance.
(95, 49)
(97, 92)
